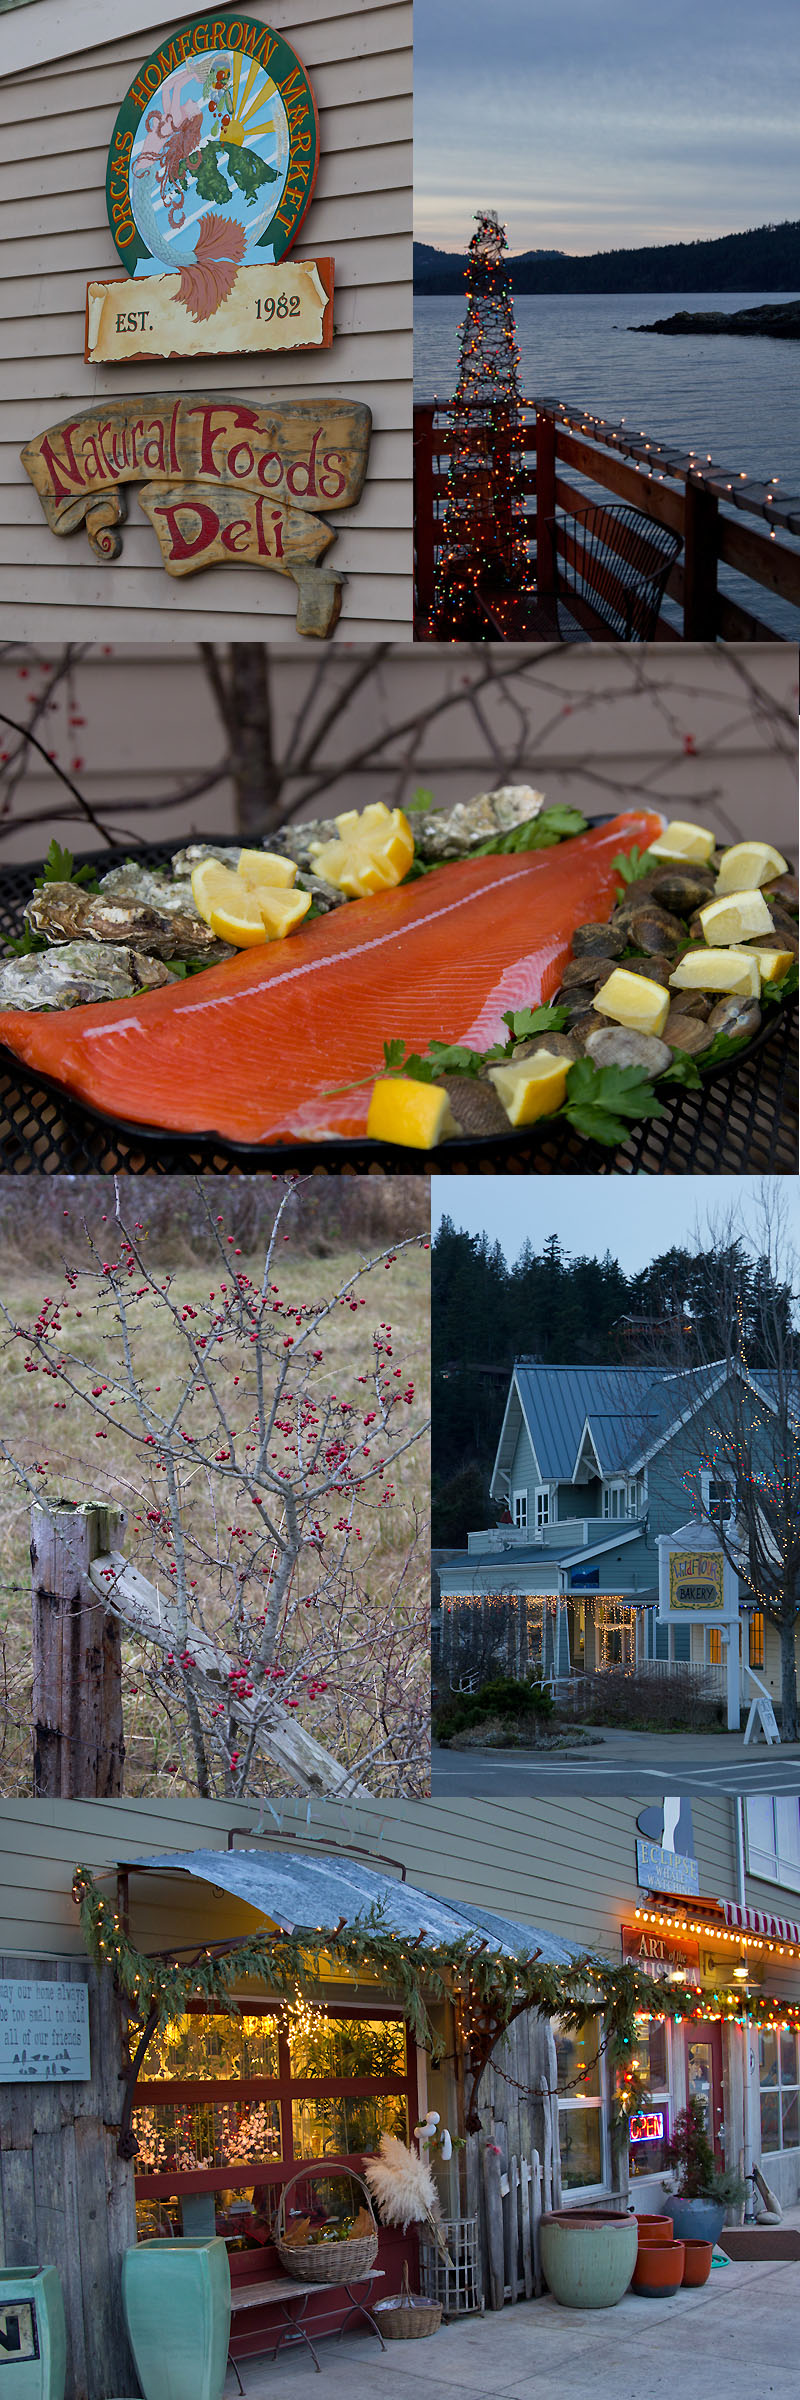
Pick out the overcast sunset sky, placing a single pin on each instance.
(605, 124)
(636, 1218)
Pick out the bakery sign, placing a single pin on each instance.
(211, 168)
(222, 481)
(695, 1579)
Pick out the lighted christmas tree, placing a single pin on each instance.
(484, 536)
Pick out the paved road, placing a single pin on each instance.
(621, 1763)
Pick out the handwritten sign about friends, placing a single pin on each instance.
(44, 2032)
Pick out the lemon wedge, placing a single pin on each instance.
(634, 1000)
(258, 867)
(691, 842)
(373, 851)
(735, 917)
(747, 865)
(533, 1089)
(718, 971)
(246, 913)
(772, 964)
(416, 1114)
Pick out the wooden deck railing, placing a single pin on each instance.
(726, 520)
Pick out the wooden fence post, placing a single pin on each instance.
(701, 533)
(79, 1747)
(545, 500)
(424, 508)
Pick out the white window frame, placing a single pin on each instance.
(611, 1492)
(575, 2194)
(724, 1477)
(544, 1507)
(771, 1860)
(778, 2088)
(519, 1510)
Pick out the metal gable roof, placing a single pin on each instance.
(618, 1403)
(304, 1895)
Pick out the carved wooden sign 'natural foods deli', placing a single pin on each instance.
(222, 482)
(210, 171)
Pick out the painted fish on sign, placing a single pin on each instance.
(211, 167)
(223, 481)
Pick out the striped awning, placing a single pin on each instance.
(756, 1920)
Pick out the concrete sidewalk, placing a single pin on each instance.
(738, 2336)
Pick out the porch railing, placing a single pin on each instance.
(727, 521)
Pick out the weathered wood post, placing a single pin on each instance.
(79, 1747)
(425, 508)
(701, 536)
(545, 500)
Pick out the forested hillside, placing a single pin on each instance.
(766, 259)
(557, 1310)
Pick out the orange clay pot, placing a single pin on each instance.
(697, 2262)
(658, 2270)
(654, 2229)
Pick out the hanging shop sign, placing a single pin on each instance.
(222, 481)
(661, 1955)
(660, 1870)
(695, 1580)
(211, 168)
(44, 2033)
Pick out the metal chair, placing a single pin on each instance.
(614, 565)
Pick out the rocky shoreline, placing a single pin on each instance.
(781, 322)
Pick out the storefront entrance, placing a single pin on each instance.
(704, 2078)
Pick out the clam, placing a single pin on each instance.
(474, 1104)
(598, 941)
(558, 1045)
(680, 889)
(650, 928)
(685, 1032)
(616, 1046)
(734, 1017)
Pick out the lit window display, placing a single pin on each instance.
(259, 2093)
(648, 2131)
(779, 2079)
(580, 2105)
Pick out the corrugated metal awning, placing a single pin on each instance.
(318, 1895)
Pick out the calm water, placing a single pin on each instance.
(737, 398)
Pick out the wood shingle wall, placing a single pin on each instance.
(56, 121)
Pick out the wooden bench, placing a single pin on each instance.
(278, 2291)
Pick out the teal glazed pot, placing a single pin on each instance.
(34, 2346)
(695, 2220)
(588, 2261)
(177, 2301)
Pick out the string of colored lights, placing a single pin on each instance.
(484, 533)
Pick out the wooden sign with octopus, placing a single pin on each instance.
(210, 172)
(222, 481)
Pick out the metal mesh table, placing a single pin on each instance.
(745, 1121)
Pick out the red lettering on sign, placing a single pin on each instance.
(306, 467)
(57, 467)
(231, 417)
(270, 535)
(187, 545)
(333, 480)
(240, 525)
(153, 448)
(242, 449)
(270, 458)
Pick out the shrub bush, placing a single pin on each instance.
(502, 1697)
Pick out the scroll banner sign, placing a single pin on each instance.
(211, 168)
(222, 482)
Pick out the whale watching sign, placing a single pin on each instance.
(211, 168)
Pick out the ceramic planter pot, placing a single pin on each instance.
(588, 2261)
(177, 2301)
(659, 2269)
(695, 2220)
(35, 2324)
(697, 2262)
(655, 2229)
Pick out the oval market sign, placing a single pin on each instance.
(213, 156)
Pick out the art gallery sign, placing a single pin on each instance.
(211, 167)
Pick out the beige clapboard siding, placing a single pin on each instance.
(567, 1866)
(54, 236)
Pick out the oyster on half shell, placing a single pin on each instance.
(64, 913)
(439, 833)
(75, 973)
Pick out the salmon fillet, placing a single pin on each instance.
(249, 1050)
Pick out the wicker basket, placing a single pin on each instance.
(404, 2318)
(326, 2262)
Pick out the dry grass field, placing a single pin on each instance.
(372, 1703)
